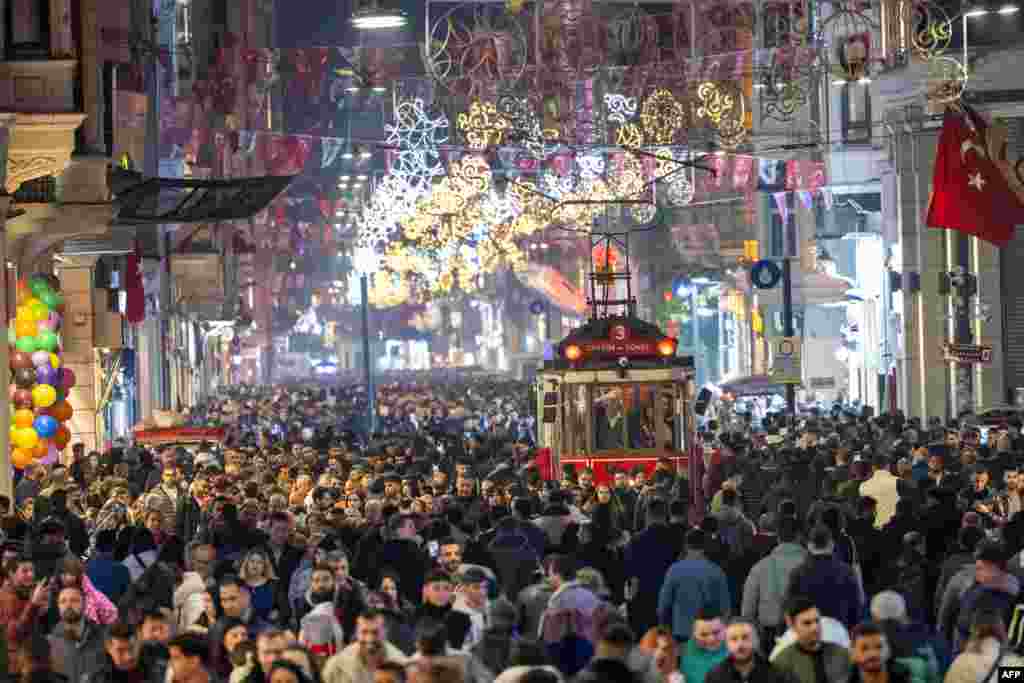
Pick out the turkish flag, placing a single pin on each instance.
(969, 191)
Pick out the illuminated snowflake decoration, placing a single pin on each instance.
(643, 213)
(680, 191)
(590, 166)
(417, 136)
(496, 210)
(557, 186)
(620, 108)
(393, 200)
(679, 186)
(524, 125)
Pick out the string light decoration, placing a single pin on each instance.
(524, 125)
(714, 103)
(662, 117)
(679, 188)
(620, 108)
(947, 80)
(388, 289)
(590, 166)
(723, 104)
(418, 137)
(629, 135)
(392, 201)
(483, 126)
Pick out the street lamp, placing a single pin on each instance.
(366, 261)
(376, 18)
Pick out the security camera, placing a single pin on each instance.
(623, 362)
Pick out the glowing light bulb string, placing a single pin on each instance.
(682, 165)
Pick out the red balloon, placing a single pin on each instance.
(20, 359)
(62, 437)
(23, 398)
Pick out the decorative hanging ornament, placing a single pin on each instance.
(765, 274)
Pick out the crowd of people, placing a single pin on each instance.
(307, 549)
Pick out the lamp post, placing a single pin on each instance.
(366, 262)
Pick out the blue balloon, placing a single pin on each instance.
(45, 426)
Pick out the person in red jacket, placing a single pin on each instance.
(22, 602)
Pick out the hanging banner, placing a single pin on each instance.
(782, 205)
(771, 175)
(741, 171)
(329, 149)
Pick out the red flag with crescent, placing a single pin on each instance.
(971, 192)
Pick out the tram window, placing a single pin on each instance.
(574, 412)
(625, 416)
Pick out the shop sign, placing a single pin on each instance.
(971, 354)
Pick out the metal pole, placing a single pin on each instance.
(962, 326)
(371, 391)
(6, 478)
(787, 318)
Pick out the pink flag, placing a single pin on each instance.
(741, 171)
(783, 206)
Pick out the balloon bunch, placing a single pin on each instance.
(39, 385)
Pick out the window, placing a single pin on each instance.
(28, 29)
(856, 113)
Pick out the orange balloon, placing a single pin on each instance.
(41, 449)
(21, 458)
(23, 418)
(62, 438)
(61, 411)
(25, 328)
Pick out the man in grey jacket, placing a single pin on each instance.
(765, 589)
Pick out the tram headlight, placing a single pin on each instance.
(573, 352)
(667, 348)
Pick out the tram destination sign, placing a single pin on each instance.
(620, 342)
(631, 347)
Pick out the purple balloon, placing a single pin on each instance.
(46, 375)
(50, 457)
(40, 358)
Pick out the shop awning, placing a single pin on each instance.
(142, 201)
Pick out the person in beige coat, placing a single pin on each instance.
(357, 662)
(977, 663)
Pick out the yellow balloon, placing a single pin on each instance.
(32, 300)
(24, 313)
(26, 438)
(54, 361)
(43, 396)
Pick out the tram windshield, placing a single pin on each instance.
(610, 417)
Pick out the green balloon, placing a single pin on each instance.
(51, 299)
(46, 341)
(39, 286)
(39, 311)
(26, 345)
